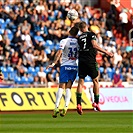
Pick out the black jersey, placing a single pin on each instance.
(86, 51)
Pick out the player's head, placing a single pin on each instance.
(83, 26)
(74, 31)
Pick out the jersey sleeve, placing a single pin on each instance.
(62, 44)
(93, 36)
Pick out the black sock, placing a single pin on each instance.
(78, 98)
(96, 98)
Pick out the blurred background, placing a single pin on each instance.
(30, 32)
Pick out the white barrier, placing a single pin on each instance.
(114, 98)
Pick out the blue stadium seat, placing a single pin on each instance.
(30, 79)
(2, 23)
(24, 80)
(110, 72)
(56, 47)
(12, 75)
(47, 70)
(10, 69)
(101, 69)
(10, 34)
(77, 78)
(47, 51)
(8, 21)
(11, 72)
(6, 77)
(48, 43)
(31, 70)
(5, 73)
(17, 80)
(37, 69)
(88, 79)
(1, 31)
(56, 13)
(51, 47)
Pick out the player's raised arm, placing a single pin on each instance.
(96, 46)
(56, 58)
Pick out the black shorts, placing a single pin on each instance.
(90, 69)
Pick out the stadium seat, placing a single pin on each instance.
(5, 73)
(37, 69)
(30, 79)
(56, 46)
(110, 72)
(56, 13)
(47, 51)
(2, 21)
(8, 21)
(31, 71)
(10, 69)
(48, 43)
(10, 34)
(47, 70)
(24, 80)
(101, 69)
(17, 80)
(2, 24)
(51, 47)
(11, 72)
(1, 31)
(88, 79)
(12, 75)
(77, 78)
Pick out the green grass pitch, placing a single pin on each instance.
(89, 122)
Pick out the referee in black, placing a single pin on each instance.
(87, 64)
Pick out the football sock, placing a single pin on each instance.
(67, 97)
(78, 98)
(96, 99)
(58, 97)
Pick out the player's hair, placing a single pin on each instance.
(76, 25)
(74, 31)
(82, 25)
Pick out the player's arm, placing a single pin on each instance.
(1, 76)
(56, 58)
(96, 46)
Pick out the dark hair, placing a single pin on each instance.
(74, 31)
(76, 25)
(82, 25)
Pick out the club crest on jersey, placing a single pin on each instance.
(72, 58)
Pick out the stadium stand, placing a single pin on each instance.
(28, 27)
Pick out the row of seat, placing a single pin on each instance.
(23, 80)
(11, 74)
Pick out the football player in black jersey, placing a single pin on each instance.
(87, 63)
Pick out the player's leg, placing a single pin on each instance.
(71, 77)
(59, 94)
(62, 86)
(95, 78)
(96, 94)
(79, 95)
(82, 74)
(67, 98)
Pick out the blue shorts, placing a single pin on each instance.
(68, 73)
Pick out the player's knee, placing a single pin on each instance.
(95, 81)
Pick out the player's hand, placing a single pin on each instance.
(110, 54)
(50, 66)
